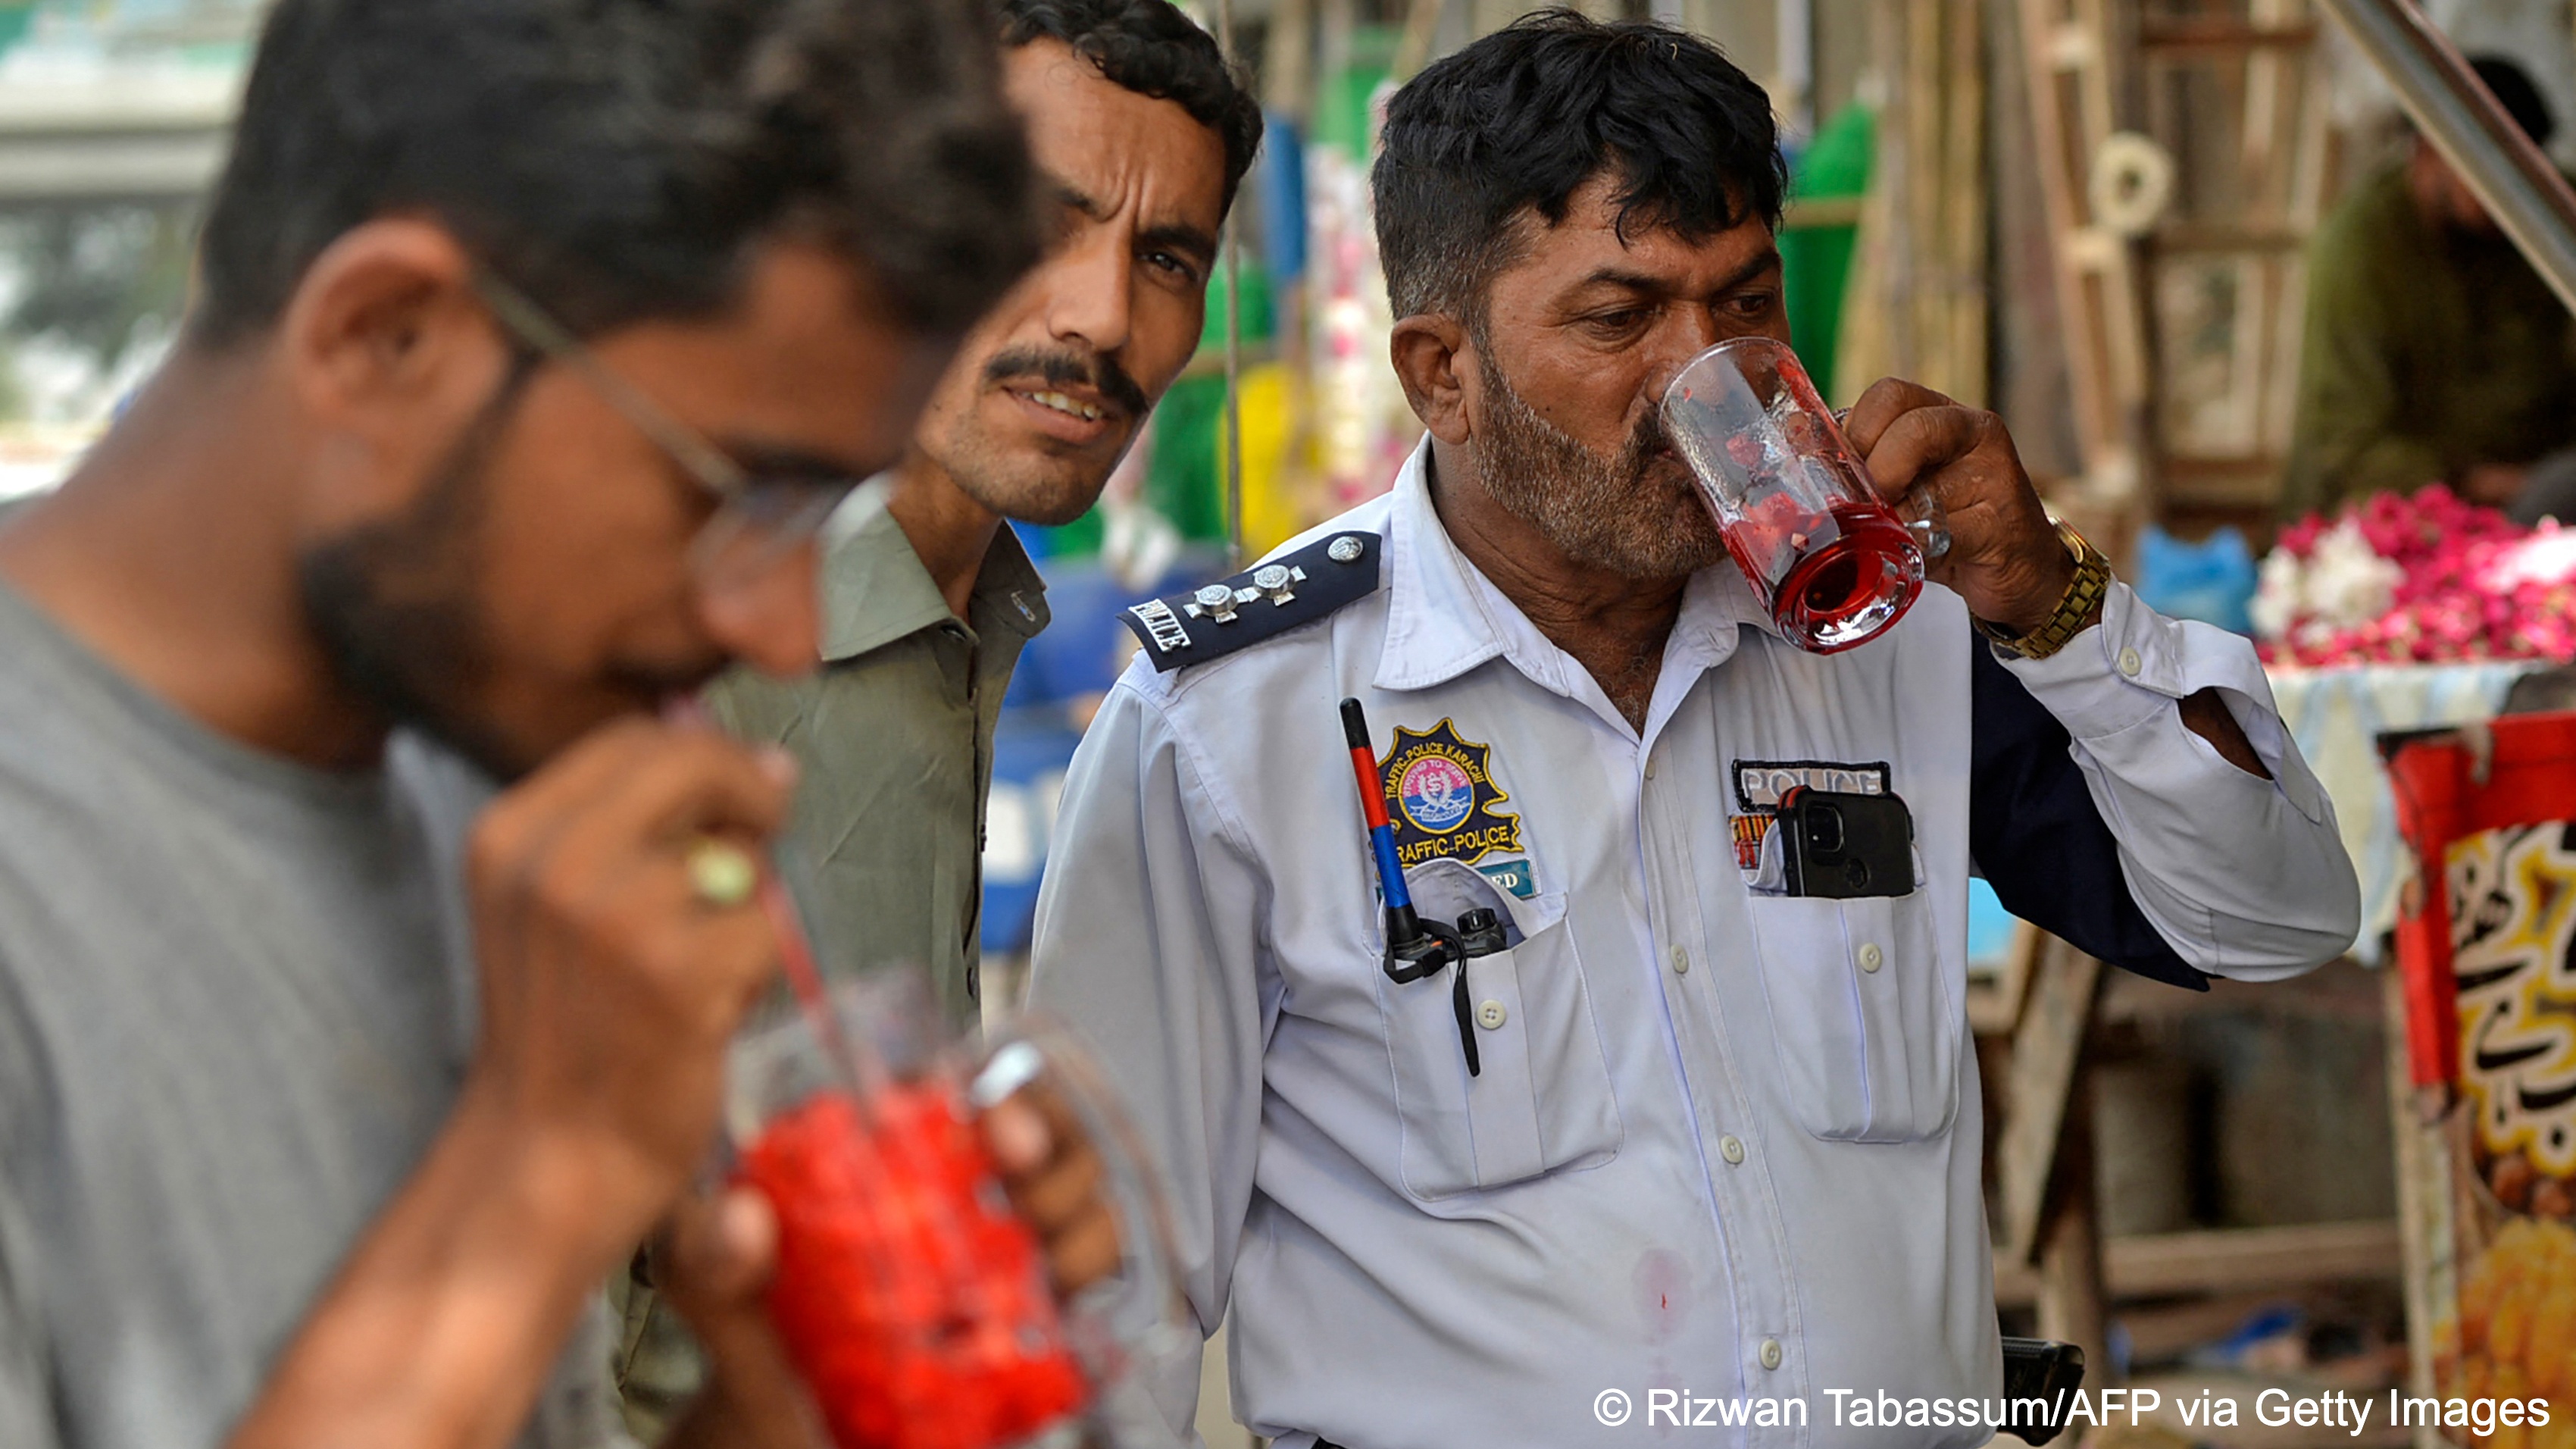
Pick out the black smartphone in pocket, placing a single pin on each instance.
(1841, 846)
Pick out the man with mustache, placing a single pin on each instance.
(1681, 1123)
(370, 950)
(1143, 134)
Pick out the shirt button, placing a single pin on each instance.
(1770, 1353)
(1871, 958)
(2130, 663)
(1491, 1016)
(1650, 767)
(1731, 1148)
(1681, 961)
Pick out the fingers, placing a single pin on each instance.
(1923, 441)
(713, 1261)
(1888, 399)
(1084, 1252)
(735, 949)
(637, 781)
(597, 837)
(2004, 559)
(717, 1252)
(1018, 1136)
(1056, 1183)
(1058, 1192)
(679, 782)
(611, 982)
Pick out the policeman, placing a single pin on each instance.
(1718, 1137)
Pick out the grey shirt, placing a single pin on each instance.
(232, 1018)
(894, 734)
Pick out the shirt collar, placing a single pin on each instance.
(1444, 617)
(1009, 586)
(875, 590)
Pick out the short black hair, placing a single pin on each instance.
(619, 159)
(2519, 97)
(1151, 48)
(1520, 120)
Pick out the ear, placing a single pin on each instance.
(385, 336)
(1434, 360)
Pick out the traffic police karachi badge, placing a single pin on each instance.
(1440, 796)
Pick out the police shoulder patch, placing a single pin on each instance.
(1293, 589)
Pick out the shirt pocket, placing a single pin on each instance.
(1866, 1022)
(1542, 1102)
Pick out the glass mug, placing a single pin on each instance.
(912, 1300)
(1831, 561)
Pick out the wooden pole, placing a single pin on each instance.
(1288, 61)
(1413, 47)
(2070, 1252)
(1233, 458)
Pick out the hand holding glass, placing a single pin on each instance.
(911, 1297)
(1831, 561)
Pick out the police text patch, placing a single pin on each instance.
(1759, 784)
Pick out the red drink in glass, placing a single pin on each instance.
(911, 1298)
(1834, 579)
(1834, 565)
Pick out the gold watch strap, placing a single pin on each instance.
(2084, 594)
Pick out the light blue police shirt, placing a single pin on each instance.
(1724, 1142)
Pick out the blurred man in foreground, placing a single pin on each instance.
(2434, 352)
(535, 337)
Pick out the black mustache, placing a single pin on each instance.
(1069, 369)
(1649, 439)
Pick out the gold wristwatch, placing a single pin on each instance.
(2084, 594)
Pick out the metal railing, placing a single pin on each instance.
(2528, 197)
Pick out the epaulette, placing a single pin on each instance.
(1293, 589)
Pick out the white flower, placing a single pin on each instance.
(2279, 586)
(2545, 557)
(2347, 583)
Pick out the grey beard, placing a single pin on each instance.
(1612, 513)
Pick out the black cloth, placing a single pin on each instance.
(2037, 839)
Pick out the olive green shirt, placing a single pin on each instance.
(2428, 350)
(894, 737)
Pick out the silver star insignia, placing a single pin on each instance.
(1216, 601)
(1279, 581)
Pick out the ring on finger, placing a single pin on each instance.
(721, 874)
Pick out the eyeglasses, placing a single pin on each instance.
(760, 518)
